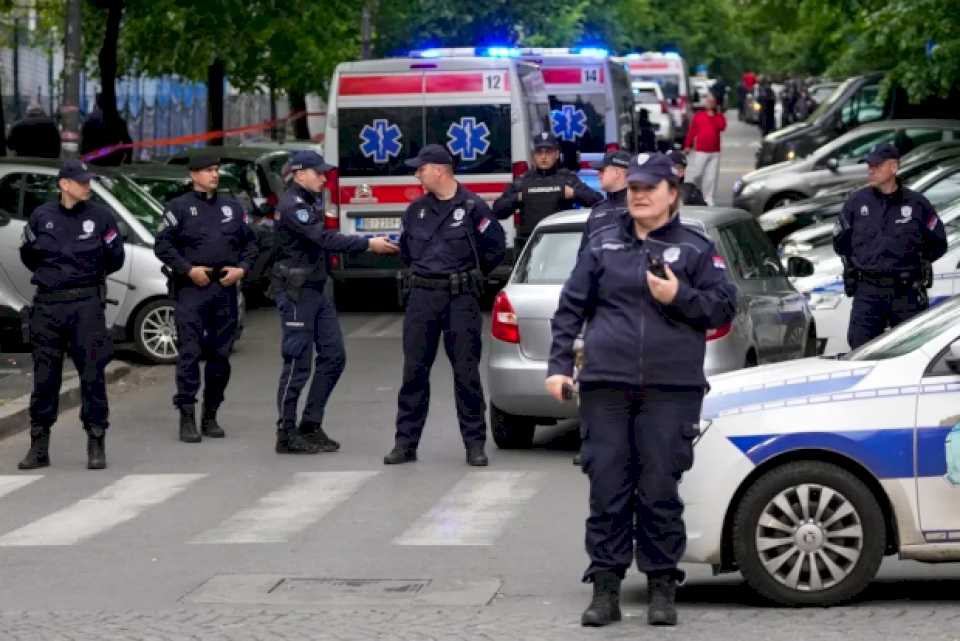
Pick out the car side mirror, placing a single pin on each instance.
(799, 267)
(953, 357)
(831, 164)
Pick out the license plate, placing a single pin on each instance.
(377, 224)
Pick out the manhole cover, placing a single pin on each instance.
(326, 588)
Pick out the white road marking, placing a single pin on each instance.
(371, 328)
(294, 507)
(475, 511)
(117, 503)
(10, 484)
(393, 330)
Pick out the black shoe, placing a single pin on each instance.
(605, 606)
(576, 459)
(39, 453)
(476, 457)
(188, 425)
(314, 433)
(663, 594)
(400, 455)
(209, 426)
(291, 442)
(96, 450)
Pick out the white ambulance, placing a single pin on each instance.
(484, 108)
(668, 70)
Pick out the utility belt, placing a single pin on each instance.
(469, 282)
(292, 280)
(176, 282)
(58, 296)
(920, 279)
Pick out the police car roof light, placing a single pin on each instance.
(594, 52)
(500, 52)
(444, 52)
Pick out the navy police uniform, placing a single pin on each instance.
(207, 230)
(448, 246)
(887, 242)
(70, 252)
(308, 315)
(609, 210)
(642, 382)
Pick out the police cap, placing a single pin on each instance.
(650, 169)
(431, 154)
(309, 160)
(202, 160)
(677, 157)
(883, 151)
(619, 159)
(75, 170)
(545, 140)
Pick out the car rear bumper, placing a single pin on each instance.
(515, 384)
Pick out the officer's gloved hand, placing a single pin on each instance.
(198, 275)
(555, 385)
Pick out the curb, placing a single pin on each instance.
(15, 413)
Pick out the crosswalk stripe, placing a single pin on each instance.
(393, 330)
(282, 513)
(115, 504)
(371, 327)
(10, 484)
(475, 511)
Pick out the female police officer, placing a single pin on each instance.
(642, 383)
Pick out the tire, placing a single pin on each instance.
(782, 200)
(810, 346)
(154, 332)
(511, 432)
(860, 517)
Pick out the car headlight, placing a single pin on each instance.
(757, 106)
(824, 300)
(752, 188)
(791, 154)
(769, 223)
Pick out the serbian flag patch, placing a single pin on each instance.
(109, 236)
(719, 262)
(932, 221)
(482, 227)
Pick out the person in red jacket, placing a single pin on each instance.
(703, 148)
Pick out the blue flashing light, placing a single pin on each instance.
(500, 52)
(427, 53)
(632, 56)
(595, 52)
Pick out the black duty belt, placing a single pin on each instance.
(66, 295)
(890, 279)
(441, 282)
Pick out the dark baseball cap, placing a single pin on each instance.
(545, 140)
(431, 154)
(75, 170)
(677, 157)
(202, 161)
(614, 159)
(883, 151)
(309, 160)
(650, 169)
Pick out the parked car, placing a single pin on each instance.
(773, 321)
(836, 162)
(649, 95)
(821, 91)
(809, 473)
(141, 311)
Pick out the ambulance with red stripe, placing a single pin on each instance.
(484, 109)
(668, 70)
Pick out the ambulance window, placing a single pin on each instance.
(578, 119)
(534, 99)
(376, 141)
(478, 136)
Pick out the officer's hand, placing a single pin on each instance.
(198, 275)
(231, 276)
(555, 385)
(568, 192)
(663, 289)
(382, 245)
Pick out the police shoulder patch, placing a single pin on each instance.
(170, 218)
(303, 215)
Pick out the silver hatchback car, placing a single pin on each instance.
(773, 321)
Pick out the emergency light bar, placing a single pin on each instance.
(508, 52)
(652, 54)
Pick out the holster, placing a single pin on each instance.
(851, 276)
(171, 281)
(476, 283)
(26, 315)
(403, 287)
(291, 279)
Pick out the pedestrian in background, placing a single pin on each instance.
(36, 135)
(105, 127)
(646, 134)
(689, 193)
(703, 146)
(767, 99)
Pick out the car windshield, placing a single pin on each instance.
(141, 204)
(549, 256)
(670, 84)
(829, 102)
(645, 95)
(911, 335)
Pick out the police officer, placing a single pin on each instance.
(308, 315)
(641, 384)
(690, 194)
(613, 181)
(70, 245)
(544, 190)
(450, 242)
(206, 243)
(887, 236)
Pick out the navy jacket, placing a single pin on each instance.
(608, 212)
(70, 248)
(207, 230)
(630, 338)
(442, 237)
(888, 233)
(301, 238)
(539, 193)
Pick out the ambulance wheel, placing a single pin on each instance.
(809, 534)
(155, 333)
(511, 432)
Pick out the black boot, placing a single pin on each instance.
(662, 589)
(314, 433)
(96, 450)
(208, 424)
(39, 454)
(476, 456)
(289, 441)
(605, 606)
(188, 424)
(400, 455)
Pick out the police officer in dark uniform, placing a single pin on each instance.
(647, 289)
(70, 246)
(450, 242)
(690, 194)
(544, 190)
(308, 315)
(888, 236)
(206, 244)
(613, 181)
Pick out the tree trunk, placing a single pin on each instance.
(298, 102)
(3, 129)
(108, 59)
(216, 74)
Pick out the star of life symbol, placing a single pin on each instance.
(381, 141)
(468, 138)
(569, 123)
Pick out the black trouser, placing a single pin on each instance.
(636, 444)
(877, 307)
(76, 327)
(206, 319)
(430, 313)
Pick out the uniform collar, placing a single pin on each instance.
(548, 172)
(303, 193)
(670, 226)
(205, 198)
(457, 196)
(81, 206)
(618, 197)
(895, 196)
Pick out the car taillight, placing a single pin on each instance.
(504, 326)
(612, 146)
(520, 168)
(334, 261)
(333, 184)
(331, 212)
(719, 332)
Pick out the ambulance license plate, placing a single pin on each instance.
(378, 224)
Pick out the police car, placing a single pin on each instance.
(809, 473)
(669, 71)
(485, 107)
